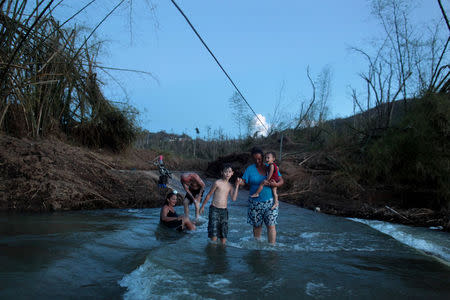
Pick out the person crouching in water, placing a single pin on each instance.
(218, 212)
(194, 187)
(272, 175)
(170, 218)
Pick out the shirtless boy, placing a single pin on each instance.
(218, 212)
(194, 187)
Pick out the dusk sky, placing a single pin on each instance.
(265, 46)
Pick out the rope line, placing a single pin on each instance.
(217, 61)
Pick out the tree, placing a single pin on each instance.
(406, 62)
(241, 115)
(315, 111)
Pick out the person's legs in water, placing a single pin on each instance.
(197, 209)
(188, 224)
(271, 234)
(186, 203)
(257, 232)
(270, 217)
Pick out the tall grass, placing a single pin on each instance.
(48, 84)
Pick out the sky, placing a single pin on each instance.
(265, 46)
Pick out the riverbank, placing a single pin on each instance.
(51, 175)
(315, 181)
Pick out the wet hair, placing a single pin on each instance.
(256, 150)
(273, 154)
(227, 166)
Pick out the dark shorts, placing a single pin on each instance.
(194, 193)
(173, 224)
(218, 222)
(259, 212)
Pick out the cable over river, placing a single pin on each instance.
(114, 254)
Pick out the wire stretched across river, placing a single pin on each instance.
(217, 61)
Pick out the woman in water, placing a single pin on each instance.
(170, 218)
(261, 209)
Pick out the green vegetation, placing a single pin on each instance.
(415, 154)
(48, 83)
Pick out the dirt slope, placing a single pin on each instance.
(46, 175)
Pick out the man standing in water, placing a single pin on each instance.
(194, 187)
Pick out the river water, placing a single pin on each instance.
(126, 254)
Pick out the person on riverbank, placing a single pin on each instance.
(164, 173)
(169, 217)
(262, 209)
(194, 187)
(272, 175)
(218, 212)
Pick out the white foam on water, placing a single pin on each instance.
(149, 281)
(249, 243)
(308, 235)
(314, 242)
(316, 290)
(272, 284)
(221, 285)
(323, 247)
(201, 220)
(399, 232)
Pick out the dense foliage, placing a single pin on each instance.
(48, 83)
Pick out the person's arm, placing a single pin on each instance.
(280, 182)
(245, 177)
(235, 189)
(211, 192)
(186, 188)
(202, 186)
(165, 218)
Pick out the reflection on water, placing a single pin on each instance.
(165, 234)
(262, 262)
(216, 259)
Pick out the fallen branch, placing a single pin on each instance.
(306, 159)
(294, 193)
(398, 213)
(98, 160)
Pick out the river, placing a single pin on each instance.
(126, 254)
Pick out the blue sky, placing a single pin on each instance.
(263, 45)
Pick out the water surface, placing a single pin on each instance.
(115, 254)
